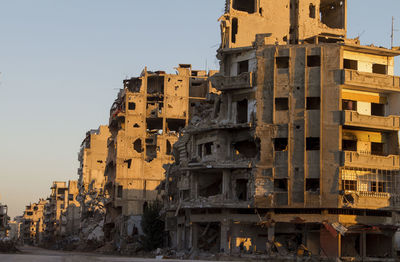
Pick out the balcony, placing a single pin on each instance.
(353, 118)
(370, 81)
(224, 83)
(354, 159)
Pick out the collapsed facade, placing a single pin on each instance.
(33, 225)
(301, 152)
(92, 158)
(3, 220)
(61, 215)
(145, 121)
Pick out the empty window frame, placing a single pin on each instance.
(242, 111)
(131, 106)
(282, 62)
(369, 180)
(313, 103)
(70, 197)
(379, 69)
(235, 28)
(175, 124)
(312, 143)
(349, 105)
(377, 149)
(248, 6)
(281, 103)
(154, 123)
(313, 61)
(377, 109)
(137, 145)
(155, 85)
(350, 64)
(312, 184)
(241, 189)
(281, 185)
(243, 67)
(312, 11)
(208, 148)
(119, 191)
(349, 145)
(280, 144)
(168, 148)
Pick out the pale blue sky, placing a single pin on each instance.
(62, 62)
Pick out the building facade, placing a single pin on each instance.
(301, 150)
(3, 220)
(33, 222)
(145, 121)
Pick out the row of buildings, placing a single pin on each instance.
(292, 147)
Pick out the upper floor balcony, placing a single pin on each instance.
(224, 83)
(353, 118)
(355, 159)
(370, 81)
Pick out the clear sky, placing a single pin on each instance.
(63, 61)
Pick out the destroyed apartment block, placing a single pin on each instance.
(61, 213)
(4, 227)
(92, 158)
(145, 122)
(301, 153)
(32, 224)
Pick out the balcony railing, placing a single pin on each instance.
(353, 118)
(356, 159)
(370, 80)
(223, 83)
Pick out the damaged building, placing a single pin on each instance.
(145, 122)
(3, 220)
(62, 212)
(92, 158)
(301, 152)
(33, 224)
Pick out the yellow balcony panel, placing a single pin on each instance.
(223, 83)
(370, 81)
(354, 159)
(353, 118)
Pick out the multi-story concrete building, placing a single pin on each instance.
(3, 220)
(92, 158)
(33, 225)
(57, 203)
(145, 121)
(302, 148)
(70, 216)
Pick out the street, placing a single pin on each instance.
(34, 254)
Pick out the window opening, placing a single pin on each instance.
(131, 106)
(312, 184)
(312, 11)
(349, 105)
(242, 111)
(169, 148)
(119, 191)
(235, 27)
(241, 189)
(248, 6)
(379, 69)
(281, 185)
(349, 145)
(282, 62)
(313, 143)
(208, 148)
(176, 124)
(243, 67)
(314, 61)
(137, 145)
(377, 109)
(281, 144)
(313, 103)
(350, 64)
(154, 123)
(281, 103)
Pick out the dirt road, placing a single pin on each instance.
(34, 254)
